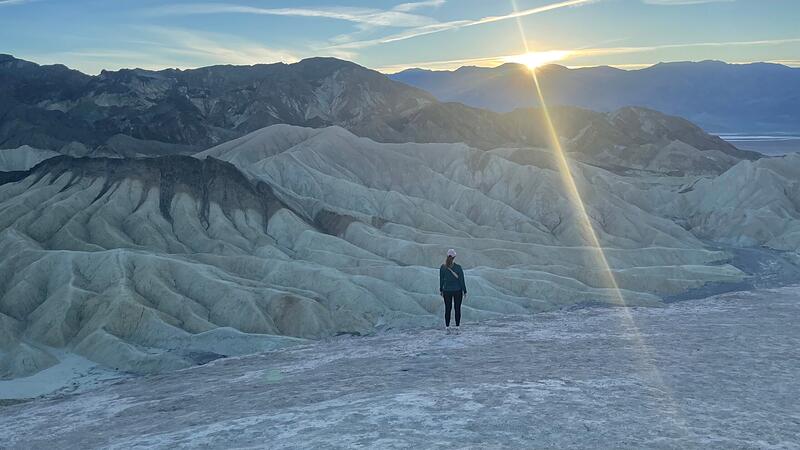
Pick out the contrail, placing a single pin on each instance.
(527, 12)
(456, 24)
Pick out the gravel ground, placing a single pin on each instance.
(721, 372)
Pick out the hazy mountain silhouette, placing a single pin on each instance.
(717, 96)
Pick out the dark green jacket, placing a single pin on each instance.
(449, 282)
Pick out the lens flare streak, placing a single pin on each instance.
(610, 284)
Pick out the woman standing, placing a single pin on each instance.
(452, 288)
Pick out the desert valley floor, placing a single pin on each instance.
(719, 372)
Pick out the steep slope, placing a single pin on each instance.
(159, 263)
(719, 97)
(753, 203)
(22, 158)
(85, 245)
(638, 138)
(24, 86)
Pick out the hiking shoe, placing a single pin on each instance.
(447, 330)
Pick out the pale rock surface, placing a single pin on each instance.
(22, 158)
(146, 265)
(753, 203)
(23, 360)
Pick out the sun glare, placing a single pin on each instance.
(609, 280)
(538, 59)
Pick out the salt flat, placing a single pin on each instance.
(721, 372)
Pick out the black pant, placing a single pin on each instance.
(449, 296)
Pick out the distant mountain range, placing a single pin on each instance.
(169, 111)
(717, 96)
(149, 113)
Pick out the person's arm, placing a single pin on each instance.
(463, 282)
(441, 279)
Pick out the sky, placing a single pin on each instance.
(92, 35)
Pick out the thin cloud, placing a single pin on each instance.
(622, 50)
(368, 19)
(366, 28)
(397, 17)
(491, 61)
(163, 47)
(787, 62)
(215, 47)
(531, 11)
(448, 64)
(417, 5)
(14, 2)
(683, 2)
(456, 24)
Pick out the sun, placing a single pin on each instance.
(538, 59)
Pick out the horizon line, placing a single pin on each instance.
(792, 64)
(394, 69)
